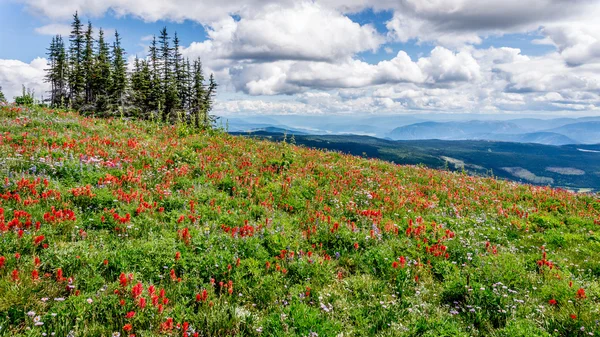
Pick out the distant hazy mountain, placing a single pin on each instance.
(554, 131)
(453, 130)
(272, 129)
(583, 132)
(547, 138)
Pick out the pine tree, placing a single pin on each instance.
(155, 99)
(119, 72)
(179, 72)
(199, 94)
(77, 75)
(50, 71)
(168, 90)
(141, 81)
(88, 64)
(101, 84)
(189, 85)
(2, 98)
(57, 72)
(209, 101)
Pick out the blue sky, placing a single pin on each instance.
(380, 57)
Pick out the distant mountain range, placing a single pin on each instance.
(557, 131)
(508, 131)
(576, 167)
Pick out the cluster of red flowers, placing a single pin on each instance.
(544, 262)
(56, 216)
(246, 230)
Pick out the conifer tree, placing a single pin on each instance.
(199, 94)
(101, 84)
(88, 64)
(76, 73)
(168, 88)
(52, 57)
(179, 72)
(155, 98)
(209, 101)
(141, 81)
(2, 98)
(118, 72)
(57, 72)
(188, 85)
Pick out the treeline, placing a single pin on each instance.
(92, 76)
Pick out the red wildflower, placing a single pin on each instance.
(123, 280)
(177, 256)
(127, 327)
(580, 294)
(15, 275)
(130, 314)
(105, 262)
(137, 290)
(395, 264)
(552, 302)
(356, 245)
(573, 316)
(2, 261)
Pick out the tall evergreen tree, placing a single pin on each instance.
(169, 87)
(155, 99)
(88, 64)
(198, 95)
(50, 71)
(76, 50)
(209, 101)
(2, 98)
(141, 81)
(101, 84)
(179, 72)
(119, 72)
(57, 72)
(188, 85)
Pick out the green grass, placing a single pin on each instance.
(282, 240)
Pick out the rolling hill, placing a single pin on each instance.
(120, 227)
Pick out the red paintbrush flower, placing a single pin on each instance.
(580, 294)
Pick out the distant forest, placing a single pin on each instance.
(91, 76)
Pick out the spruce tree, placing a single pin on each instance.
(155, 99)
(101, 84)
(188, 85)
(57, 72)
(141, 80)
(168, 89)
(179, 72)
(209, 101)
(88, 64)
(119, 73)
(199, 95)
(2, 98)
(50, 71)
(76, 73)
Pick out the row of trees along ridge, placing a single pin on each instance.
(92, 76)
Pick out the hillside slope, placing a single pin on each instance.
(112, 227)
(475, 157)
